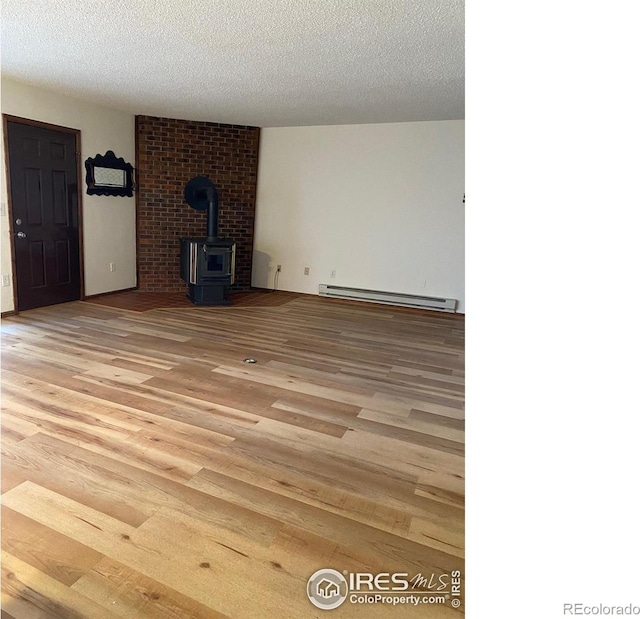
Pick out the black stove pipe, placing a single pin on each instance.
(212, 213)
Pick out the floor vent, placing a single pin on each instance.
(390, 298)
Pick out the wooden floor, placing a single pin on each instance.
(148, 471)
(140, 301)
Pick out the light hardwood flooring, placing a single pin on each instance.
(147, 471)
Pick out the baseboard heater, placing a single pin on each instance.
(390, 298)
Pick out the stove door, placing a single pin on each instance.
(215, 264)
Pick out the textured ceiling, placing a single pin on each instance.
(265, 63)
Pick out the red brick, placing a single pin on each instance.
(169, 153)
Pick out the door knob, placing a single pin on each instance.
(21, 235)
(18, 222)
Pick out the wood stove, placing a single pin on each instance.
(207, 264)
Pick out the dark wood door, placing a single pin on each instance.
(44, 209)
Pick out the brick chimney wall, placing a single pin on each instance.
(168, 154)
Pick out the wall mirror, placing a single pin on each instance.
(108, 175)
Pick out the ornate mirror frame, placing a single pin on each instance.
(108, 175)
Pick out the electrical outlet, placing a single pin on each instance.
(112, 267)
(306, 270)
(6, 280)
(333, 274)
(278, 268)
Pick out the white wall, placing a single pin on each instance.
(108, 222)
(381, 205)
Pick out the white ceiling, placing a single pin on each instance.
(266, 63)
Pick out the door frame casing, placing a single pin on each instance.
(6, 118)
